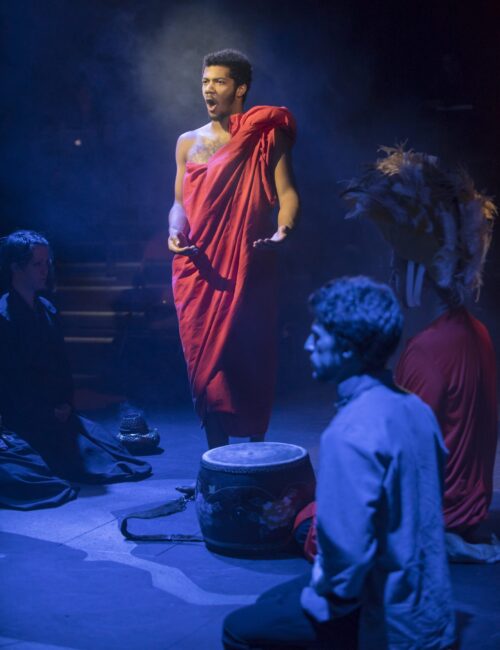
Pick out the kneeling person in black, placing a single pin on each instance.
(35, 381)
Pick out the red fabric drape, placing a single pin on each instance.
(451, 366)
(311, 542)
(226, 296)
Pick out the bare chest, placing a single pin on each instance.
(203, 148)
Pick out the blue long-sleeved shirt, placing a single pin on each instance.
(380, 524)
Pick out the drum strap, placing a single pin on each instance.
(169, 508)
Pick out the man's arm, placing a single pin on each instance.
(178, 241)
(349, 494)
(286, 191)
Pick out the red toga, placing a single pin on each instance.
(226, 295)
(451, 366)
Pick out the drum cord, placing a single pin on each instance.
(169, 508)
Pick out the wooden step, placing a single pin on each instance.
(157, 272)
(100, 323)
(111, 298)
(98, 273)
(114, 304)
(81, 379)
(89, 354)
(102, 251)
(120, 273)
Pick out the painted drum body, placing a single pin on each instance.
(248, 495)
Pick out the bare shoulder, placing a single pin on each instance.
(191, 136)
(186, 139)
(184, 143)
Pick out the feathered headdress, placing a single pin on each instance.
(429, 215)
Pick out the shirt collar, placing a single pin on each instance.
(352, 387)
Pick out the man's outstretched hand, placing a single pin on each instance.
(273, 242)
(180, 245)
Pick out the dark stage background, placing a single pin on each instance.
(96, 92)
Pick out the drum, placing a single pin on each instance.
(248, 495)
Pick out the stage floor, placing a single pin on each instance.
(70, 580)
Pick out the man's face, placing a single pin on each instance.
(326, 357)
(33, 276)
(222, 96)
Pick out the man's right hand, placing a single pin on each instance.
(180, 245)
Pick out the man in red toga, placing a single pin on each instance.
(230, 174)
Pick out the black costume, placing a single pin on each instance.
(35, 379)
(26, 482)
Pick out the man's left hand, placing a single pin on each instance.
(275, 241)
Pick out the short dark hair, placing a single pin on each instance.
(17, 248)
(362, 314)
(240, 68)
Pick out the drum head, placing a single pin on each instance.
(252, 456)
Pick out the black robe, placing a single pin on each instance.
(26, 482)
(34, 379)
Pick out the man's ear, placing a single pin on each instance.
(241, 90)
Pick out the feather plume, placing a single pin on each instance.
(428, 214)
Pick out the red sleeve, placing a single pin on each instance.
(311, 543)
(417, 373)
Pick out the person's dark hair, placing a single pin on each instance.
(362, 314)
(240, 68)
(17, 248)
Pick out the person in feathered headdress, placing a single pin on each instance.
(440, 227)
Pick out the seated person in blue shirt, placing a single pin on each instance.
(380, 578)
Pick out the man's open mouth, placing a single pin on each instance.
(211, 103)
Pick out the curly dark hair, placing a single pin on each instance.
(240, 68)
(362, 314)
(17, 248)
